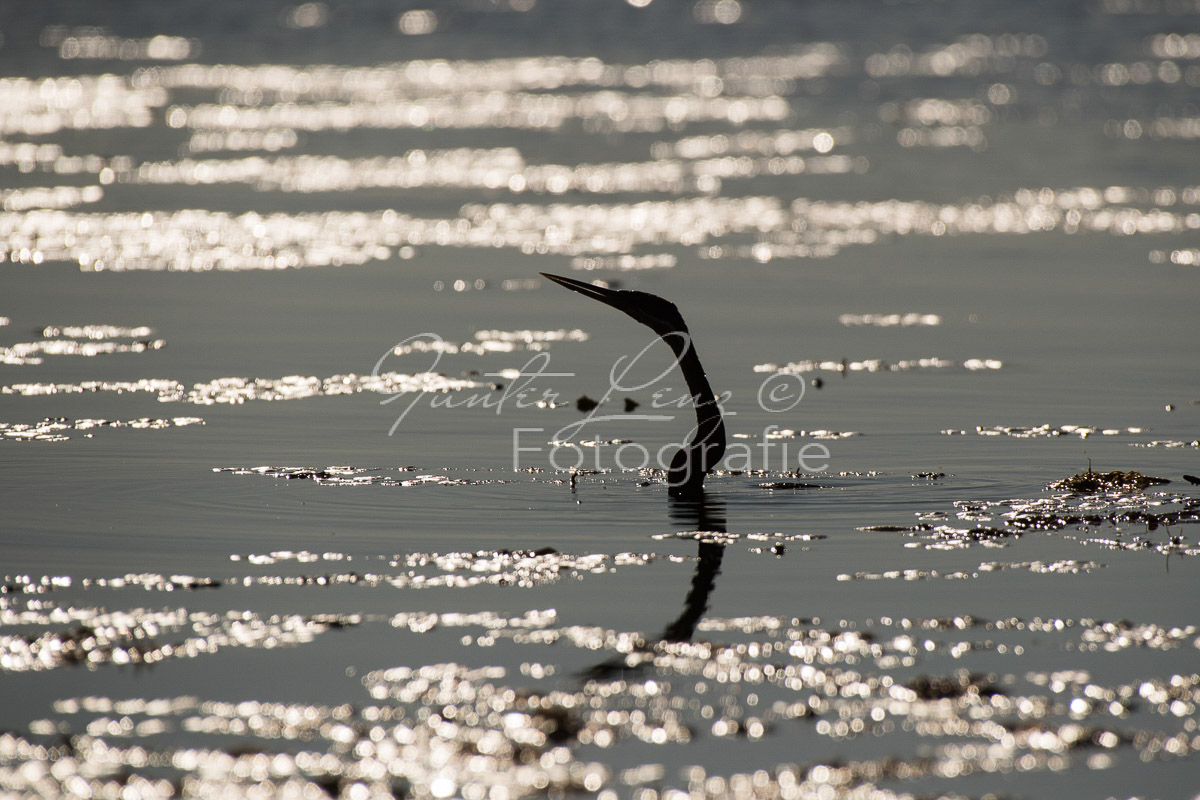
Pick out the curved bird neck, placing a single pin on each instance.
(707, 447)
(707, 408)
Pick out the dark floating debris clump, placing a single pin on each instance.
(1100, 482)
(1095, 503)
(790, 485)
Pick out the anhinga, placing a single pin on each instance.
(685, 477)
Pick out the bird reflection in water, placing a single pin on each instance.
(702, 514)
(705, 514)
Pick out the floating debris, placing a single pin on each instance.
(1100, 482)
(1118, 506)
(790, 485)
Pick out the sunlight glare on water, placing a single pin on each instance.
(940, 263)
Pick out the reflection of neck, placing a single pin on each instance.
(708, 566)
(702, 514)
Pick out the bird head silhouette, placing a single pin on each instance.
(658, 314)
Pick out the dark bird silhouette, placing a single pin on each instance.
(705, 513)
(685, 477)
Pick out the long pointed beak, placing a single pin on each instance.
(607, 296)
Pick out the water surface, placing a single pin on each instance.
(270, 286)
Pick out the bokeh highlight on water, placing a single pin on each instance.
(953, 245)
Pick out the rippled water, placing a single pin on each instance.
(937, 259)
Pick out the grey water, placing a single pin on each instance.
(286, 508)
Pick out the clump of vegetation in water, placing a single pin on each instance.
(1097, 482)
